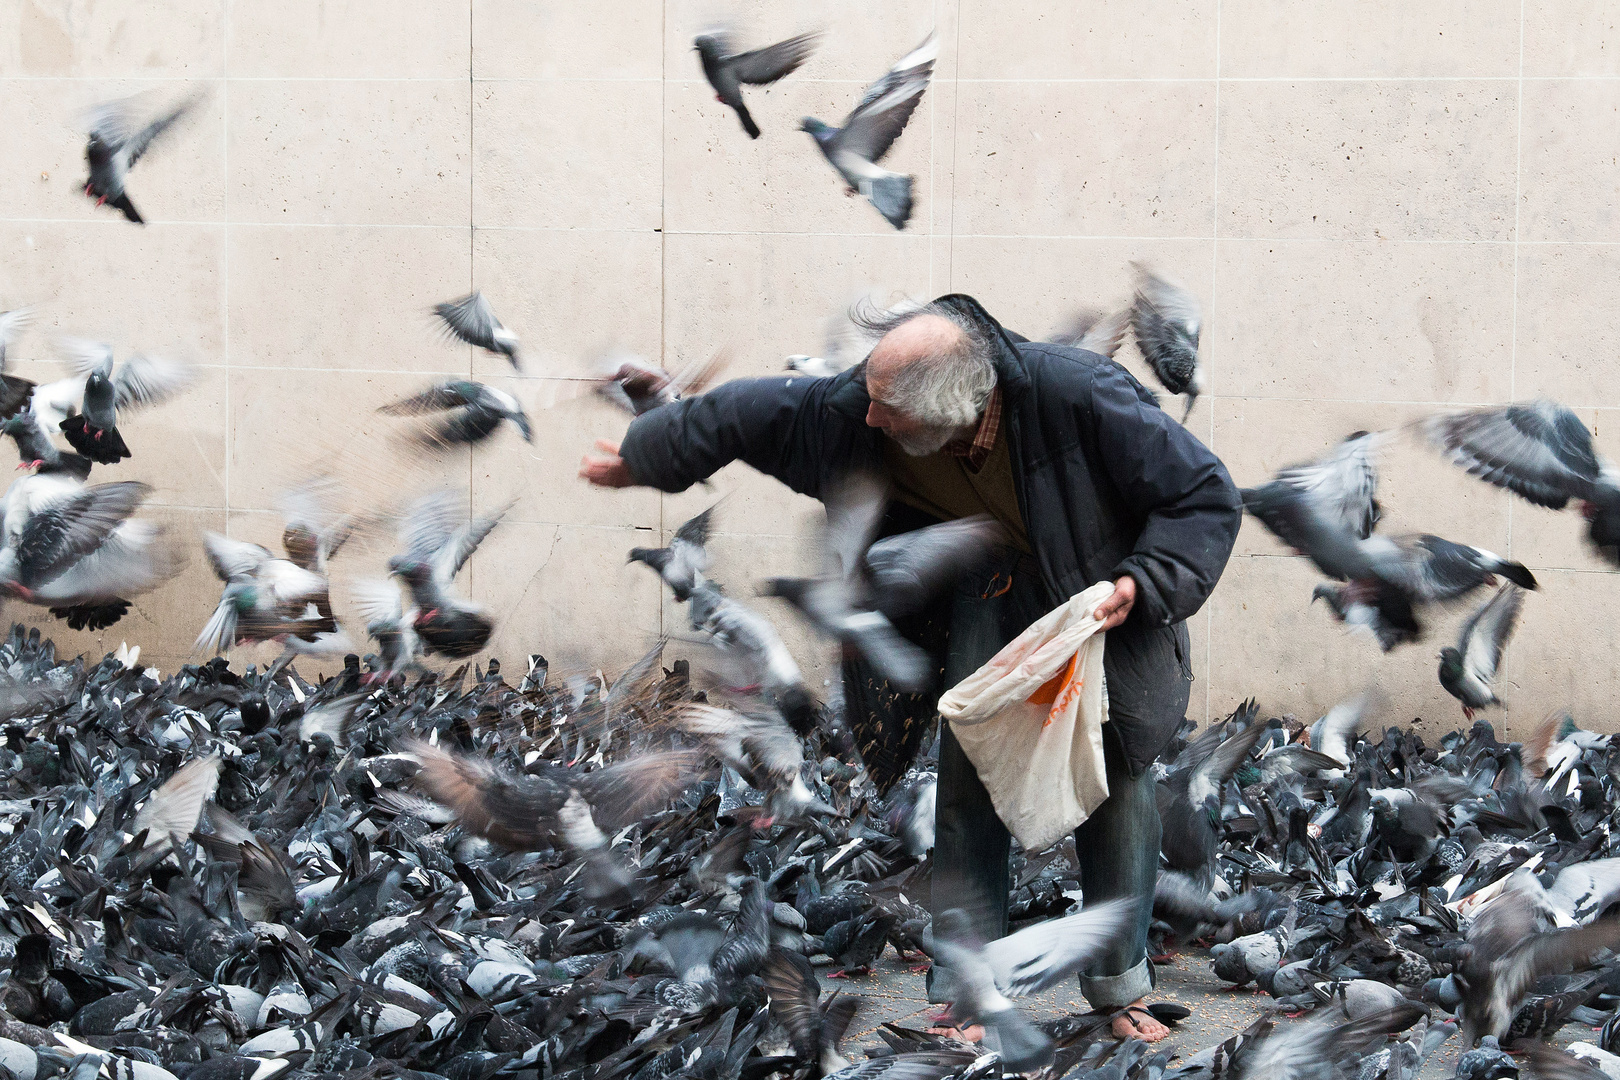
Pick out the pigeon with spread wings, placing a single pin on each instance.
(472, 320)
(138, 382)
(120, 132)
(439, 539)
(473, 412)
(728, 71)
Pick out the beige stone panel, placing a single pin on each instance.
(1402, 322)
(345, 296)
(1093, 159)
(747, 503)
(285, 429)
(1563, 654)
(1405, 160)
(164, 622)
(859, 41)
(349, 153)
(1370, 39)
(570, 296)
(566, 592)
(357, 39)
(180, 178)
(1198, 698)
(1418, 491)
(567, 154)
(1269, 641)
(1567, 330)
(116, 283)
(1571, 37)
(766, 297)
(117, 39)
(1569, 189)
(544, 475)
(561, 39)
(1110, 39)
(716, 179)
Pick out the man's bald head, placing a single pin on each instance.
(929, 377)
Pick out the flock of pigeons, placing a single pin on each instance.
(397, 872)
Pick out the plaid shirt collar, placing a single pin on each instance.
(977, 452)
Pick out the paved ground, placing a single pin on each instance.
(894, 993)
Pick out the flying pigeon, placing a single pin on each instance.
(35, 447)
(391, 624)
(744, 634)
(763, 749)
(49, 533)
(1167, 321)
(119, 135)
(1095, 332)
(728, 71)
(637, 385)
(1542, 452)
(683, 563)
(472, 320)
(139, 381)
(438, 543)
(1343, 484)
(265, 598)
(14, 390)
(1468, 670)
(868, 132)
(479, 410)
(313, 532)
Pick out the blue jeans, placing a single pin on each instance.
(1118, 846)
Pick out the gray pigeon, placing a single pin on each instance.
(61, 533)
(871, 129)
(438, 542)
(1468, 669)
(118, 137)
(1167, 321)
(728, 71)
(1095, 332)
(14, 391)
(472, 320)
(139, 381)
(683, 562)
(478, 412)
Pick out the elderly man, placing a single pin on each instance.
(1091, 482)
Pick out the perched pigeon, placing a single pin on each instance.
(438, 543)
(472, 320)
(1167, 321)
(479, 410)
(120, 132)
(139, 381)
(1468, 669)
(868, 132)
(683, 563)
(728, 71)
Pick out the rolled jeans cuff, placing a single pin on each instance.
(1115, 991)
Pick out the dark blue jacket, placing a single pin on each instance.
(1107, 483)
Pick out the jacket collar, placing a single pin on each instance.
(848, 397)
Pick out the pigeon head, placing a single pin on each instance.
(817, 128)
(710, 46)
(412, 570)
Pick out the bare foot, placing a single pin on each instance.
(1135, 1022)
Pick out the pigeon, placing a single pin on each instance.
(745, 635)
(139, 381)
(479, 411)
(1167, 320)
(1556, 745)
(1468, 669)
(814, 367)
(1544, 1062)
(1313, 1049)
(1486, 1062)
(1095, 332)
(760, 747)
(437, 545)
(728, 71)
(14, 390)
(814, 1027)
(1190, 801)
(472, 320)
(265, 598)
(51, 528)
(391, 624)
(1335, 733)
(683, 563)
(868, 132)
(265, 891)
(970, 985)
(636, 385)
(35, 447)
(1343, 484)
(120, 132)
(1542, 452)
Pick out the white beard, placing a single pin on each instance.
(924, 442)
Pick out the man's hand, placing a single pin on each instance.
(607, 469)
(1113, 610)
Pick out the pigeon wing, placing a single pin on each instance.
(1039, 956)
(1210, 775)
(471, 319)
(86, 357)
(1549, 954)
(1549, 1063)
(376, 601)
(448, 395)
(1540, 451)
(173, 809)
(886, 107)
(147, 380)
(766, 65)
(1487, 631)
(628, 791)
(449, 560)
(68, 529)
(486, 800)
(1343, 483)
(233, 560)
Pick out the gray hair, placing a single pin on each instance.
(948, 389)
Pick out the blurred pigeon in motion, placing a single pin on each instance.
(1540, 451)
(1094, 331)
(391, 624)
(746, 636)
(52, 525)
(139, 381)
(438, 541)
(637, 385)
(532, 811)
(1316, 1048)
(1543, 1062)
(478, 412)
(14, 390)
(265, 598)
(313, 532)
(979, 979)
(728, 71)
(683, 563)
(868, 132)
(472, 320)
(849, 336)
(1468, 669)
(1167, 321)
(36, 448)
(762, 749)
(1343, 485)
(1190, 800)
(814, 1027)
(120, 132)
